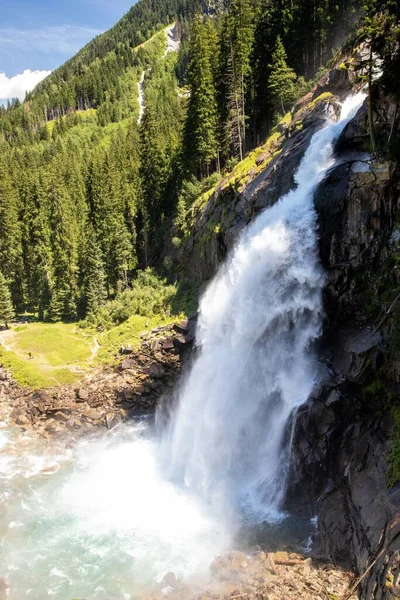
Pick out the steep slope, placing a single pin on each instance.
(345, 458)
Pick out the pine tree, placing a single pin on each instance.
(6, 307)
(64, 245)
(94, 275)
(237, 41)
(202, 122)
(379, 30)
(281, 81)
(10, 234)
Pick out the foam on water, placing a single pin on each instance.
(105, 524)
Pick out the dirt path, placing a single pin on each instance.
(5, 337)
(94, 349)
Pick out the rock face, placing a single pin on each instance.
(231, 207)
(342, 436)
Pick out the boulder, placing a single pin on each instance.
(126, 364)
(82, 395)
(126, 350)
(156, 370)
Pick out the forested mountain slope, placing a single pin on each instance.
(87, 195)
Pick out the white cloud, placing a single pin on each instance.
(61, 39)
(15, 87)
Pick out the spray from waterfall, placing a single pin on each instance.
(257, 322)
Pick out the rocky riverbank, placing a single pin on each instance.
(263, 576)
(105, 396)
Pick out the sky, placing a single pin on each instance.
(37, 36)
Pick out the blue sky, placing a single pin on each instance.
(36, 36)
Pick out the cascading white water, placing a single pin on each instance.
(102, 519)
(258, 319)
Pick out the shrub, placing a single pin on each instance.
(148, 295)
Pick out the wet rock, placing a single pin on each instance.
(112, 420)
(339, 80)
(156, 370)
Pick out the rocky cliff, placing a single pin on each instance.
(345, 458)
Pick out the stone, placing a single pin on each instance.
(270, 564)
(238, 560)
(126, 350)
(280, 557)
(82, 395)
(262, 158)
(155, 345)
(22, 420)
(181, 327)
(168, 345)
(156, 370)
(126, 364)
(112, 420)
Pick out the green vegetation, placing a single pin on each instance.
(46, 354)
(127, 334)
(380, 29)
(148, 296)
(88, 196)
(60, 343)
(281, 82)
(321, 98)
(6, 307)
(43, 355)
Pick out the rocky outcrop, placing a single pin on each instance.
(342, 437)
(356, 206)
(261, 576)
(231, 206)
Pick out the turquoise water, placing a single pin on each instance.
(97, 520)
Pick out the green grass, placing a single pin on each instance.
(58, 343)
(127, 334)
(25, 373)
(44, 355)
(322, 97)
(40, 355)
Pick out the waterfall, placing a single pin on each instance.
(107, 516)
(257, 322)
